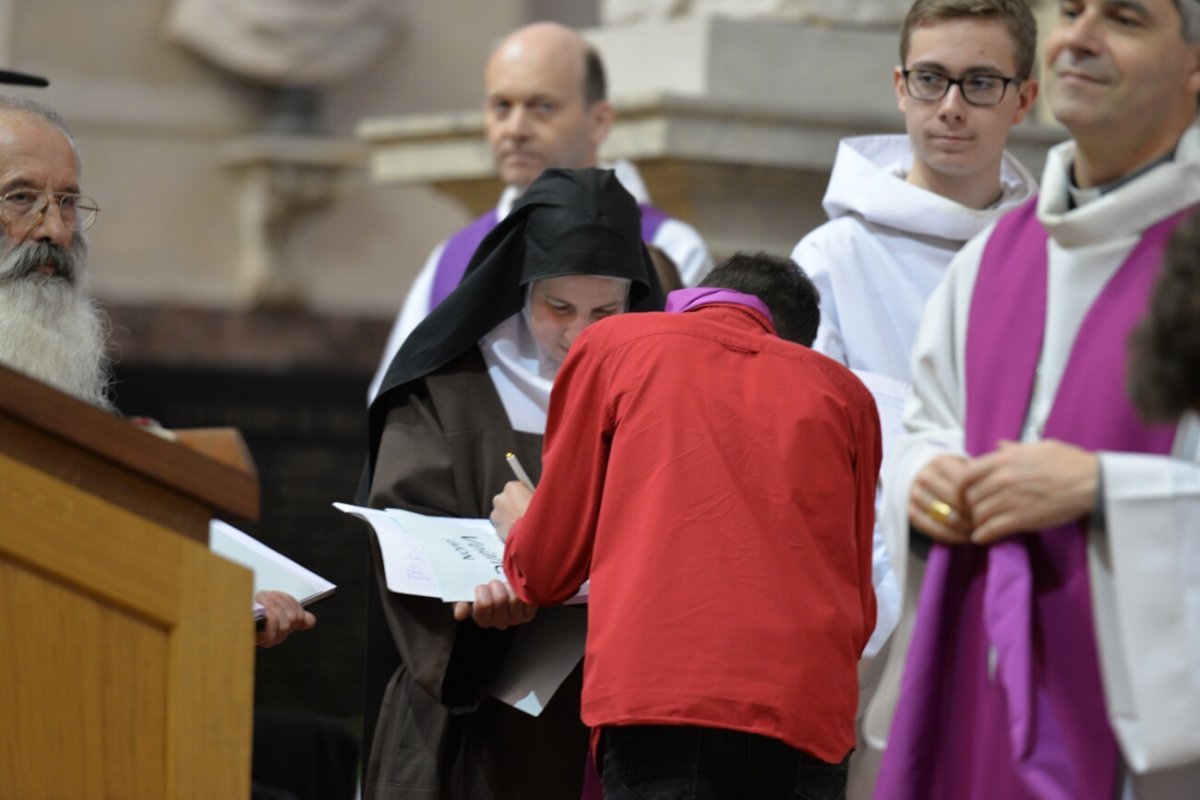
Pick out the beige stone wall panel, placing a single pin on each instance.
(152, 120)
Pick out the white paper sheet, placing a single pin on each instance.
(272, 570)
(444, 557)
(448, 557)
(406, 570)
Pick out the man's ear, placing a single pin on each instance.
(601, 116)
(1026, 97)
(1194, 77)
(901, 94)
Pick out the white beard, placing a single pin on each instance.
(51, 330)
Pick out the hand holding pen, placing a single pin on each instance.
(496, 605)
(518, 470)
(509, 506)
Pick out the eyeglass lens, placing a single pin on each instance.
(980, 90)
(77, 212)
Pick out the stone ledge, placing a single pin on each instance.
(734, 124)
(448, 151)
(317, 152)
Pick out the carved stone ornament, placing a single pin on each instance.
(285, 42)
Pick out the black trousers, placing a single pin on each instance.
(668, 762)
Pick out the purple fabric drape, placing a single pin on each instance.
(457, 254)
(1002, 695)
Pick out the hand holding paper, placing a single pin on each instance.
(282, 615)
(453, 559)
(444, 557)
(496, 606)
(287, 585)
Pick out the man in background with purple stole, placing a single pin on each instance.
(545, 105)
(1053, 651)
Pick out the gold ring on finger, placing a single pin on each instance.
(940, 510)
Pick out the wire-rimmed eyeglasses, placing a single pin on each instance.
(29, 206)
(977, 90)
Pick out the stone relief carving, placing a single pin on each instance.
(285, 42)
(289, 170)
(284, 182)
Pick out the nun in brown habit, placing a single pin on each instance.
(471, 384)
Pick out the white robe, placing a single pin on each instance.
(677, 239)
(1145, 563)
(885, 248)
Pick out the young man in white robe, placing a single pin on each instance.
(900, 206)
(1053, 654)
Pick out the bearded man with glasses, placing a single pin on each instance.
(50, 328)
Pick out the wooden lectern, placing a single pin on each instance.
(126, 647)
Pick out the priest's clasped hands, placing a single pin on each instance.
(1019, 487)
(496, 604)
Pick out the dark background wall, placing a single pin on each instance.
(297, 394)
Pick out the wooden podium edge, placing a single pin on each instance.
(226, 488)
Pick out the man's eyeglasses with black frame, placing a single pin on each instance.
(977, 90)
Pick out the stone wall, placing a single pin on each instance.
(154, 121)
(157, 124)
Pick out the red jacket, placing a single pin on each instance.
(716, 483)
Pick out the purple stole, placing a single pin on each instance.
(593, 786)
(1038, 727)
(456, 255)
(683, 300)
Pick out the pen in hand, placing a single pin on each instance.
(518, 470)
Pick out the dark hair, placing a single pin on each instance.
(595, 85)
(1015, 14)
(1164, 351)
(781, 284)
(1189, 21)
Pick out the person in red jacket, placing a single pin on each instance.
(714, 478)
